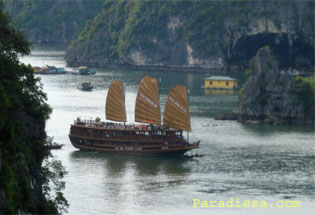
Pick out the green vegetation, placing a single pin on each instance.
(248, 73)
(23, 142)
(310, 80)
(51, 19)
(305, 92)
(209, 27)
(123, 25)
(128, 24)
(117, 27)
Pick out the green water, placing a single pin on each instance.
(249, 162)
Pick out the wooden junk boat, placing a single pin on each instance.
(147, 138)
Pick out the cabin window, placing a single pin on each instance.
(227, 83)
(210, 82)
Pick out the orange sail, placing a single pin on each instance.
(148, 102)
(115, 102)
(176, 113)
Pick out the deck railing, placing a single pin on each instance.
(110, 125)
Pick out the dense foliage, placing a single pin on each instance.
(52, 20)
(137, 23)
(23, 112)
(206, 25)
(305, 92)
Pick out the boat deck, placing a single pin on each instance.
(128, 138)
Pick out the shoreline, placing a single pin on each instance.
(222, 71)
(232, 116)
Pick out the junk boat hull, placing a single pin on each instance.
(129, 140)
(148, 138)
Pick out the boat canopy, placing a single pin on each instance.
(176, 114)
(115, 102)
(147, 108)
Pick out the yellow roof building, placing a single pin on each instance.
(220, 82)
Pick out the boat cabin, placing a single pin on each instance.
(147, 136)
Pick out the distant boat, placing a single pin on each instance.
(83, 70)
(49, 70)
(148, 136)
(55, 146)
(210, 125)
(86, 86)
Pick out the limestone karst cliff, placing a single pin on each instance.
(52, 21)
(195, 34)
(171, 34)
(25, 179)
(273, 95)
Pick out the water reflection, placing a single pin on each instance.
(220, 92)
(241, 160)
(263, 129)
(144, 165)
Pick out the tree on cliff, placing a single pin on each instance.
(196, 34)
(274, 96)
(24, 179)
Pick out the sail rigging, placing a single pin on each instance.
(147, 108)
(138, 139)
(115, 102)
(176, 114)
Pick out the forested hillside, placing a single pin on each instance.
(26, 181)
(171, 34)
(195, 34)
(47, 21)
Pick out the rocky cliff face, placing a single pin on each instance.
(196, 35)
(269, 94)
(52, 21)
(24, 177)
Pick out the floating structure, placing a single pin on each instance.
(145, 137)
(55, 146)
(49, 70)
(220, 82)
(83, 70)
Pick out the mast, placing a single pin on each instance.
(147, 108)
(188, 103)
(176, 114)
(115, 102)
(160, 83)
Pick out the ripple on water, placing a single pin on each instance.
(245, 161)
